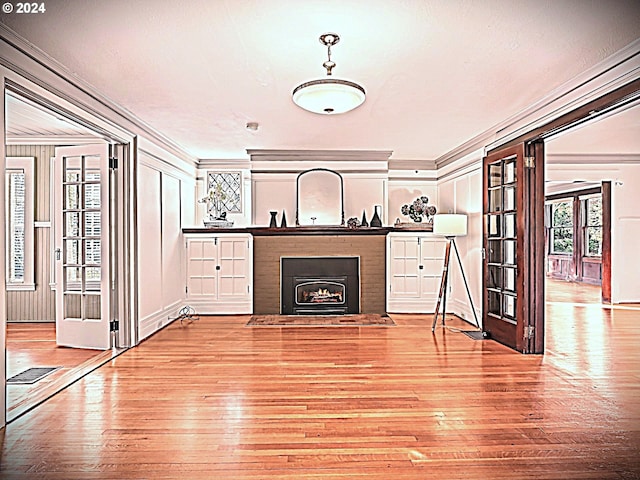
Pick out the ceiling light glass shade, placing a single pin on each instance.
(329, 96)
(450, 224)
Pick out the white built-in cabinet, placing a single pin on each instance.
(219, 273)
(414, 270)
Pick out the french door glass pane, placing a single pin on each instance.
(509, 252)
(494, 226)
(91, 307)
(495, 251)
(495, 174)
(72, 224)
(510, 279)
(72, 306)
(509, 171)
(72, 197)
(509, 198)
(92, 224)
(72, 252)
(510, 225)
(509, 306)
(495, 200)
(495, 277)
(494, 303)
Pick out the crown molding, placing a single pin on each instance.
(593, 159)
(613, 72)
(415, 165)
(57, 140)
(319, 155)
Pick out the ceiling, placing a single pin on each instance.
(437, 73)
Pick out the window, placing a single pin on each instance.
(230, 185)
(561, 230)
(592, 226)
(19, 223)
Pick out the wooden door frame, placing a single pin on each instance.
(608, 102)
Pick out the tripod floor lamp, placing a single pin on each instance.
(451, 226)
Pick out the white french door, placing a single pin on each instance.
(82, 247)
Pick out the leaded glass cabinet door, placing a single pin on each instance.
(513, 295)
(82, 247)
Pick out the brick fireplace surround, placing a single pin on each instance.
(270, 245)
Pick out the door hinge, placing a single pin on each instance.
(529, 332)
(530, 162)
(114, 325)
(113, 163)
(484, 254)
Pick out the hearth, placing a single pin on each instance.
(319, 285)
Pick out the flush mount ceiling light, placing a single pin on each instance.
(329, 95)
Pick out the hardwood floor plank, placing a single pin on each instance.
(216, 399)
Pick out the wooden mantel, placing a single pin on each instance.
(306, 230)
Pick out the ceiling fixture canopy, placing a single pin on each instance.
(329, 95)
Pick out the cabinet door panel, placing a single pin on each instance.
(405, 281)
(234, 264)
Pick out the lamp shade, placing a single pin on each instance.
(329, 96)
(450, 224)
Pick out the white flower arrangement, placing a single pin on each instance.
(215, 203)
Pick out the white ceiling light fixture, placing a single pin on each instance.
(329, 96)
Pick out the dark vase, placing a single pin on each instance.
(283, 224)
(273, 223)
(364, 222)
(375, 220)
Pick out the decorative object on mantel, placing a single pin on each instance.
(364, 222)
(273, 223)
(283, 223)
(329, 96)
(353, 223)
(219, 222)
(419, 209)
(375, 220)
(216, 216)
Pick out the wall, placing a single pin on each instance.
(274, 176)
(38, 305)
(165, 203)
(460, 191)
(277, 192)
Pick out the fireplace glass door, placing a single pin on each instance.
(320, 292)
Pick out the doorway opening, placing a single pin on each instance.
(60, 264)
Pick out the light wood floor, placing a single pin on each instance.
(34, 345)
(214, 399)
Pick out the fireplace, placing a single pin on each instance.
(319, 285)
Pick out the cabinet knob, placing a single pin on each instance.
(217, 267)
(421, 267)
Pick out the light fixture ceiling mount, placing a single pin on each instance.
(329, 95)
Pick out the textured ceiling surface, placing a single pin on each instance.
(437, 73)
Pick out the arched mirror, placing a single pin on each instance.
(320, 198)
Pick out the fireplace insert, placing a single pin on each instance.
(320, 285)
